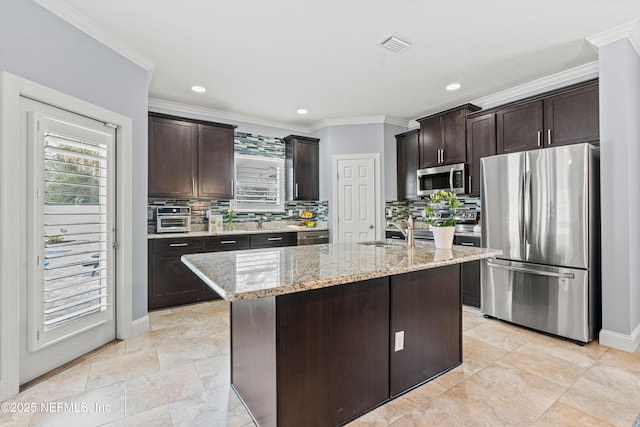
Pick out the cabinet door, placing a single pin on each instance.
(573, 117)
(454, 137)
(172, 158)
(430, 142)
(305, 170)
(519, 128)
(407, 164)
(426, 308)
(481, 142)
(170, 281)
(215, 162)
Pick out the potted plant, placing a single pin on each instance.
(443, 228)
(228, 218)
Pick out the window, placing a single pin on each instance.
(259, 184)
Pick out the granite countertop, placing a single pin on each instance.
(259, 273)
(287, 229)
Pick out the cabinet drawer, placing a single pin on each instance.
(273, 240)
(226, 243)
(179, 244)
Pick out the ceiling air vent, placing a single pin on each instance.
(394, 44)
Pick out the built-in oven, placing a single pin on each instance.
(173, 219)
(449, 178)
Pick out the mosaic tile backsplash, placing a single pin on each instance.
(401, 210)
(253, 145)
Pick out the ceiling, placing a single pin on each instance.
(264, 59)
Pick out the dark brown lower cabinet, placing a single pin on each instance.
(170, 281)
(326, 356)
(426, 309)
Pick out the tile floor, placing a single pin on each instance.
(177, 374)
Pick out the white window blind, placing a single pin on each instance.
(259, 183)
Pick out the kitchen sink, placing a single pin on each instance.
(382, 244)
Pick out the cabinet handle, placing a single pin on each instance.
(296, 189)
(467, 244)
(549, 136)
(274, 238)
(193, 185)
(470, 188)
(233, 188)
(227, 242)
(539, 138)
(176, 245)
(442, 155)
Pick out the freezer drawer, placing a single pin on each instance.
(550, 299)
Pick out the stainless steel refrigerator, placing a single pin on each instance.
(541, 208)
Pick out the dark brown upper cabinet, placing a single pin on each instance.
(407, 159)
(442, 138)
(190, 158)
(302, 163)
(566, 116)
(572, 117)
(481, 142)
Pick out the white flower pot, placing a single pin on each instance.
(443, 237)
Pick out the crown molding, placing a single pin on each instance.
(360, 120)
(584, 72)
(630, 30)
(99, 33)
(162, 106)
(220, 115)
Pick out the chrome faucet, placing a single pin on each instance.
(262, 218)
(407, 233)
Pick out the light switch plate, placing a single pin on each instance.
(424, 214)
(399, 344)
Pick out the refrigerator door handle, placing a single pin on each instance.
(527, 206)
(521, 221)
(531, 271)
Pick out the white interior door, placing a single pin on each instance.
(67, 305)
(356, 199)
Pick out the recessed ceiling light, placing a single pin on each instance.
(454, 86)
(301, 111)
(198, 89)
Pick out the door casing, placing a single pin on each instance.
(12, 266)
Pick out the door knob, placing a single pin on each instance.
(371, 227)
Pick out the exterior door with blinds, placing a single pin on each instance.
(68, 300)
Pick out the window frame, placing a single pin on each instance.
(277, 162)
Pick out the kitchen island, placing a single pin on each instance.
(322, 334)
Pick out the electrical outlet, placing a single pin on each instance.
(390, 212)
(424, 214)
(399, 345)
(300, 211)
(290, 213)
(207, 215)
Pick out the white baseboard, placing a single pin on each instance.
(629, 343)
(137, 326)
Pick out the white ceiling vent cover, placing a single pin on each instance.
(395, 44)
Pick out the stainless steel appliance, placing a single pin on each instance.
(450, 178)
(173, 219)
(541, 209)
(312, 237)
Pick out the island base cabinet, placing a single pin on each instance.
(324, 357)
(426, 320)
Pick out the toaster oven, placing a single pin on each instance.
(173, 219)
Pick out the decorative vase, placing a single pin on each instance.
(443, 237)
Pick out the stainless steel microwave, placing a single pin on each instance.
(449, 178)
